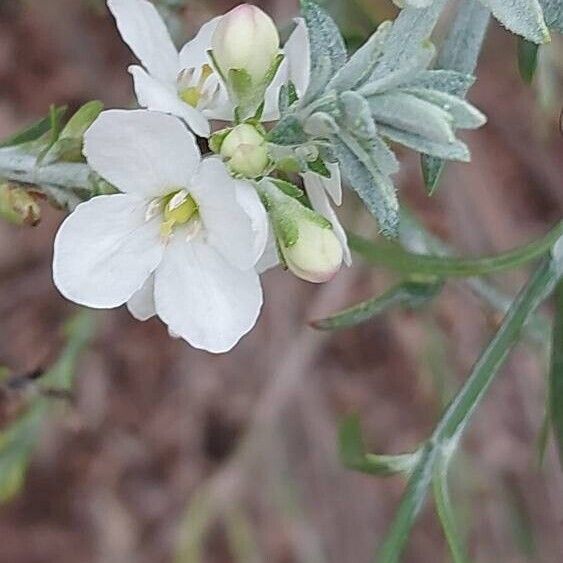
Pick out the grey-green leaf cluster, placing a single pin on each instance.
(384, 93)
(531, 19)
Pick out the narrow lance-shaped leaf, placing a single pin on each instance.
(35, 131)
(328, 51)
(354, 456)
(407, 294)
(445, 511)
(527, 59)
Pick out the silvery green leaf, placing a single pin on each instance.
(465, 115)
(373, 187)
(413, 115)
(553, 14)
(384, 157)
(288, 131)
(328, 52)
(321, 125)
(410, 29)
(463, 43)
(356, 115)
(384, 79)
(448, 81)
(413, 3)
(364, 60)
(458, 53)
(523, 17)
(455, 150)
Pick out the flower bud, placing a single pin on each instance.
(246, 39)
(18, 206)
(317, 254)
(245, 151)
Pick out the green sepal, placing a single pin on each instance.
(318, 166)
(288, 188)
(216, 140)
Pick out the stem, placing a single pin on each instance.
(395, 258)
(463, 405)
(22, 167)
(448, 431)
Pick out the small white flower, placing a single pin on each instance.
(185, 84)
(180, 242)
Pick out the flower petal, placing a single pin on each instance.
(160, 96)
(320, 203)
(270, 258)
(141, 304)
(194, 53)
(141, 152)
(227, 226)
(332, 185)
(202, 298)
(143, 29)
(105, 250)
(297, 52)
(248, 199)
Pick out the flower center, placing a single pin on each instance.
(176, 209)
(195, 88)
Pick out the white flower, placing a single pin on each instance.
(180, 242)
(185, 84)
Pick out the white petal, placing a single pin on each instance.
(160, 96)
(297, 51)
(332, 185)
(144, 31)
(203, 299)
(270, 258)
(227, 226)
(295, 67)
(141, 152)
(141, 303)
(249, 200)
(194, 53)
(320, 203)
(105, 251)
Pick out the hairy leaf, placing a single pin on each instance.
(328, 52)
(374, 188)
(465, 115)
(455, 150)
(363, 61)
(413, 115)
(523, 17)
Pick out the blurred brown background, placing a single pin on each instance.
(163, 437)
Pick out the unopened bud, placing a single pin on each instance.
(317, 255)
(18, 206)
(246, 39)
(245, 151)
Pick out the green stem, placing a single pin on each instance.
(392, 256)
(448, 431)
